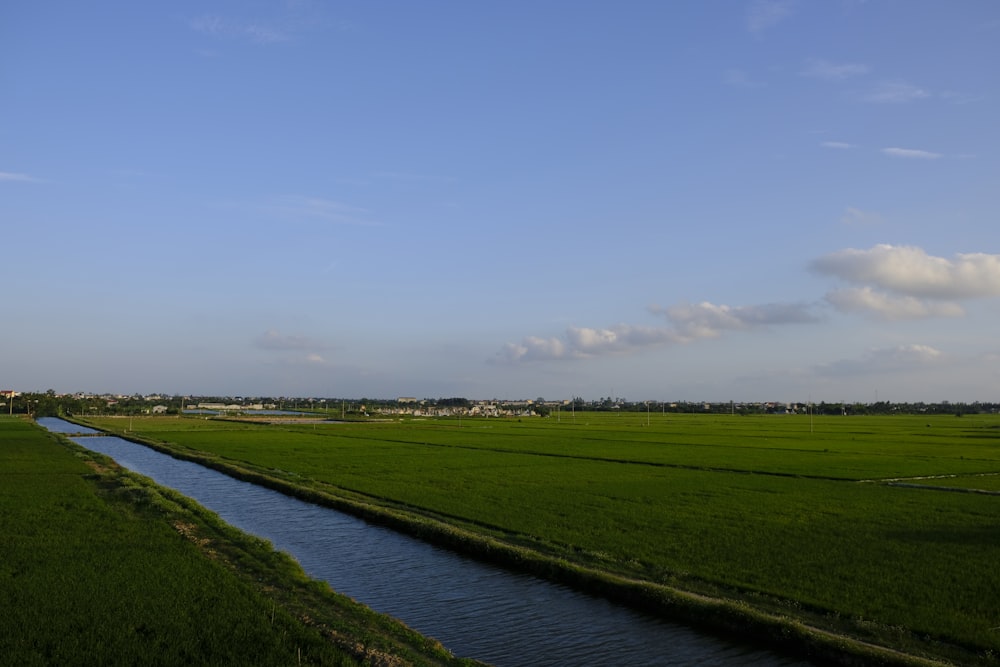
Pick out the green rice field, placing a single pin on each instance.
(787, 513)
(101, 567)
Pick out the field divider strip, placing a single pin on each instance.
(950, 489)
(654, 464)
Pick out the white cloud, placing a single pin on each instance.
(691, 322)
(533, 348)
(217, 26)
(836, 144)
(885, 360)
(274, 340)
(911, 153)
(16, 178)
(889, 307)
(896, 92)
(283, 22)
(824, 69)
(855, 216)
(764, 14)
(892, 283)
(909, 271)
(709, 320)
(302, 363)
(586, 342)
(619, 338)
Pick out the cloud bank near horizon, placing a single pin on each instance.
(886, 282)
(689, 323)
(895, 359)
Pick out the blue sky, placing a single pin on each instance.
(746, 200)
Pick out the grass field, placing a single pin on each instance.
(101, 567)
(786, 512)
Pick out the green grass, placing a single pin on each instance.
(785, 512)
(100, 566)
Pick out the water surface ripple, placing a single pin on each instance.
(475, 609)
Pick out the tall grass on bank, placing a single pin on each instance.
(784, 513)
(102, 567)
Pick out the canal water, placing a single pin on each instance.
(476, 610)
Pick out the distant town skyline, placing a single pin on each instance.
(769, 200)
(82, 402)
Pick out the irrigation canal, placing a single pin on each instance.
(476, 610)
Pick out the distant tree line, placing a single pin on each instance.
(51, 404)
(819, 408)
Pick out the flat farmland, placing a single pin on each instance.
(786, 512)
(100, 566)
(88, 575)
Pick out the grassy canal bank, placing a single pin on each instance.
(782, 529)
(101, 566)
